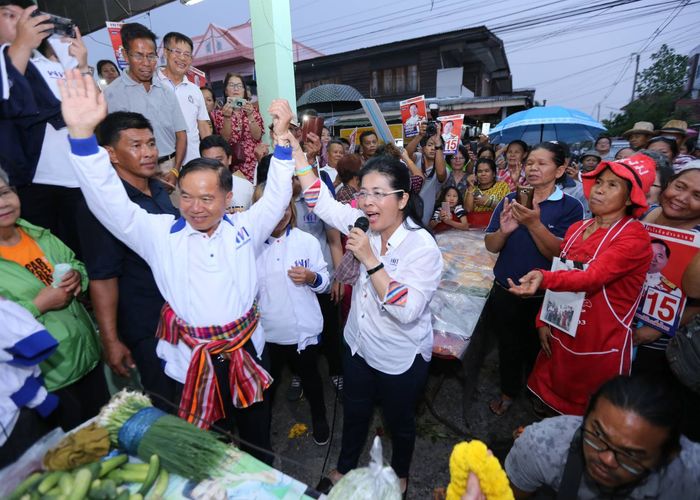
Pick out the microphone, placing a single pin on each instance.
(348, 270)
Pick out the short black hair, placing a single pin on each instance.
(657, 241)
(488, 162)
(601, 137)
(134, 31)
(102, 63)
(670, 141)
(520, 143)
(337, 142)
(215, 141)
(176, 37)
(344, 141)
(109, 130)
(263, 168)
(19, 3)
(557, 150)
(208, 164)
(654, 399)
(367, 133)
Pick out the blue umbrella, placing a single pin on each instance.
(547, 123)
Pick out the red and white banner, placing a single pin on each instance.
(451, 132)
(115, 36)
(413, 112)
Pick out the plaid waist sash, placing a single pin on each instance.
(201, 402)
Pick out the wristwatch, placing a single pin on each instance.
(89, 71)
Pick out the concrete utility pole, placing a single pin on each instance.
(272, 48)
(636, 71)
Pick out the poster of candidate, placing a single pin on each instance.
(663, 300)
(451, 132)
(115, 36)
(412, 113)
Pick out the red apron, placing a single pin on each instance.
(602, 347)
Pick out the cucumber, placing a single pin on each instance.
(49, 481)
(26, 485)
(125, 476)
(161, 485)
(81, 485)
(66, 483)
(106, 466)
(154, 467)
(136, 496)
(132, 467)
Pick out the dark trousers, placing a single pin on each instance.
(30, 427)
(304, 364)
(82, 400)
(512, 320)
(152, 374)
(397, 394)
(253, 423)
(54, 208)
(332, 334)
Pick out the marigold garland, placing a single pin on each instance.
(473, 457)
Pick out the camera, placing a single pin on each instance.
(61, 25)
(432, 126)
(236, 102)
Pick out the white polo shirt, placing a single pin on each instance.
(193, 109)
(53, 167)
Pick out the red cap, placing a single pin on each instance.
(639, 169)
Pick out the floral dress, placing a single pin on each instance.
(240, 133)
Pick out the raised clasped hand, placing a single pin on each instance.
(83, 106)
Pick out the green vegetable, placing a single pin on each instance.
(110, 464)
(127, 476)
(136, 496)
(81, 485)
(153, 468)
(49, 481)
(26, 485)
(66, 483)
(94, 468)
(161, 485)
(132, 467)
(123, 494)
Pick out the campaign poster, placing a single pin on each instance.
(412, 113)
(451, 132)
(663, 300)
(196, 76)
(115, 36)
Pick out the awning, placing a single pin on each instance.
(478, 112)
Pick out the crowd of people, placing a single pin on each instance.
(145, 224)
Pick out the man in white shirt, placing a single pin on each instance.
(178, 57)
(218, 148)
(203, 263)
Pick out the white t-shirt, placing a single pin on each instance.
(193, 109)
(54, 166)
(242, 193)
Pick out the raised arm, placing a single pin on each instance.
(83, 108)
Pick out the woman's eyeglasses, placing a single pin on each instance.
(375, 195)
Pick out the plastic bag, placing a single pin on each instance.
(375, 482)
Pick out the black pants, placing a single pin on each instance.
(53, 208)
(304, 364)
(152, 374)
(253, 423)
(82, 400)
(397, 394)
(331, 335)
(512, 320)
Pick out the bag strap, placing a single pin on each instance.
(573, 470)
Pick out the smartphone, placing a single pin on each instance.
(524, 195)
(236, 102)
(61, 25)
(473, 145)
(311, 124)
(445, 207)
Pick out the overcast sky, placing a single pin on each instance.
(579, 61)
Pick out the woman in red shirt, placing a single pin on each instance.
(239, 125)
(615, 248)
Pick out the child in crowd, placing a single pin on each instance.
(291, 270)
(449, 213)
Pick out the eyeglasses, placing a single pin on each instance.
(138, 57)
(7, 192)
(179, 53)
(623, 460)
(236, 86)
(376, 195)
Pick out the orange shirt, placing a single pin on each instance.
(28, 254)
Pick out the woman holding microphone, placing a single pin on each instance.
(388, 335)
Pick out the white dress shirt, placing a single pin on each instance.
(390, 336)
(290, 313)
(207, 280)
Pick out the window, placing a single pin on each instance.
(219, 46)
(207, 48)
(393, 81)
(315, 83)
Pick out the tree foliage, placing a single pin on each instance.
(658, 88)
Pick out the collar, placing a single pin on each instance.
(163, 78)
(153, 185)
(396, 238)
(272, 239)
(557, 195)
(130, 82)
(190, 231)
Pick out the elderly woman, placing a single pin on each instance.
(679, 209)
(667, 146)
(242, 125)
(484, 194)
(28, 259)
(525, 239)
(611, 255)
